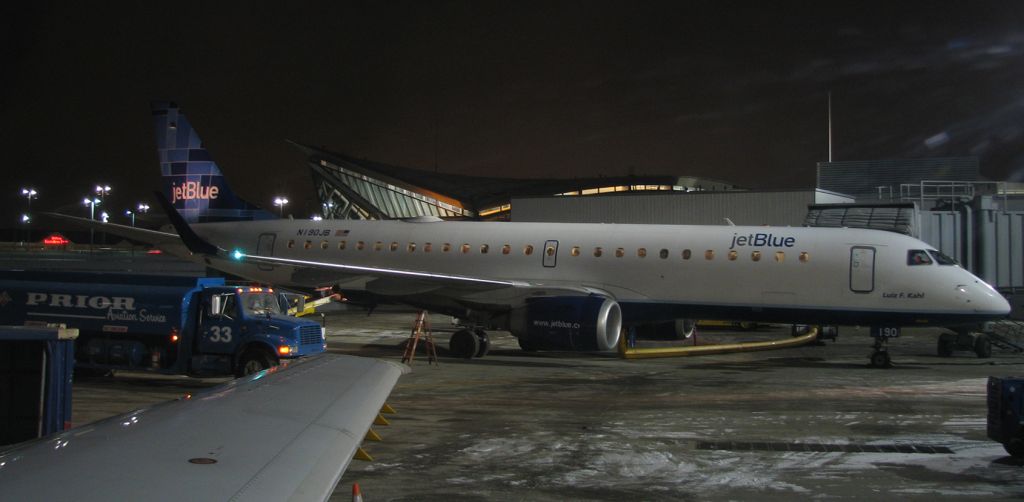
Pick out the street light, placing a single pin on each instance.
(104, 217)
(29, 193)
(129, 212)
(317, 217)
(280, 202)
(91, 202)
(143, 208)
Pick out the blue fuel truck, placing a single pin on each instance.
(164, 324)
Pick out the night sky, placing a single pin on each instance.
(732, 91)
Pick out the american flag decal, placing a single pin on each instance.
(340, 233)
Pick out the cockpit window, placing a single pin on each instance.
(918, 257)
(942, 259)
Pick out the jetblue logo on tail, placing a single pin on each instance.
(192, 190)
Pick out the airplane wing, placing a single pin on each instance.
(404, 282)
(155, 237)
(275, 435)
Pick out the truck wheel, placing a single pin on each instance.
(252, 361)
(983, 347)
(946, 345)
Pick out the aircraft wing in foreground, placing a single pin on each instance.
(276, 435)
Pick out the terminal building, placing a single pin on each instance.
(943, 201)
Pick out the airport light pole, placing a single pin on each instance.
(91, 202)
(29, 193)
(102, 191)
(143, 208)
(129, 212)
(280, 202)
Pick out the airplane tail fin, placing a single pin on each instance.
(193, 183)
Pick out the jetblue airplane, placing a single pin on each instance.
(565, 285)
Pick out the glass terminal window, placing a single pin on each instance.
(918, 257)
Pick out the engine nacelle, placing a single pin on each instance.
(568, 322)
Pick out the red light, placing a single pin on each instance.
(154, 251)
(56, 240)
(174, 335)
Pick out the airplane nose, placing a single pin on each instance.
(984, 298)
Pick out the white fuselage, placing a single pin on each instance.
(665, 270)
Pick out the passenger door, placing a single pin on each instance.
(862, 269)
(265, 247)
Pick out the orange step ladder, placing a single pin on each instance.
(420, 329)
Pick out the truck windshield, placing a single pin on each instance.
(260, 304)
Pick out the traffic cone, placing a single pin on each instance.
(357, 496)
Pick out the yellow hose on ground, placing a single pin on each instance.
(722, 348)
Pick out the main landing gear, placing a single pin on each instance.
(469, 343)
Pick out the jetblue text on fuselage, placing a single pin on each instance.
(761, 240)
(192, 190)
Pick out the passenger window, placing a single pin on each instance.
(484, 248)
(756, 256)
(663, 254)
(446, 247)
(377, 246)
(619, 253)
(709, 255)
(641, 252)
(308, 244)
(686, 254)
(291, 243)
(918, 257)
(575, 251)
(528, 249)
(942, 259)
(412, 247)
(323, 244)
(732, 255)
(465, 248)
(360, 245)
(780, 256)
(598, 252)
(394, 246)
(506, 249)
(341, 245)
(804, 257)
(427, 247)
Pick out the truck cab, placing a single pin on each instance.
(250, 325)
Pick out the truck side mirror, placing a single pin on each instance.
(216, 305)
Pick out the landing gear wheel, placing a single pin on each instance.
(464, 344)
(880, 359)
(484, 342)
(946, 345)
(685, 328)
(252, 361)
(982, 347)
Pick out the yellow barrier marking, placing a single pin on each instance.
(380, 420)
(362, 455)
(371, 435)
(388, 409)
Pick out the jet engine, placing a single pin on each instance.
(568, 323)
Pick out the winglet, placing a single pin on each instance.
(193, 242)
